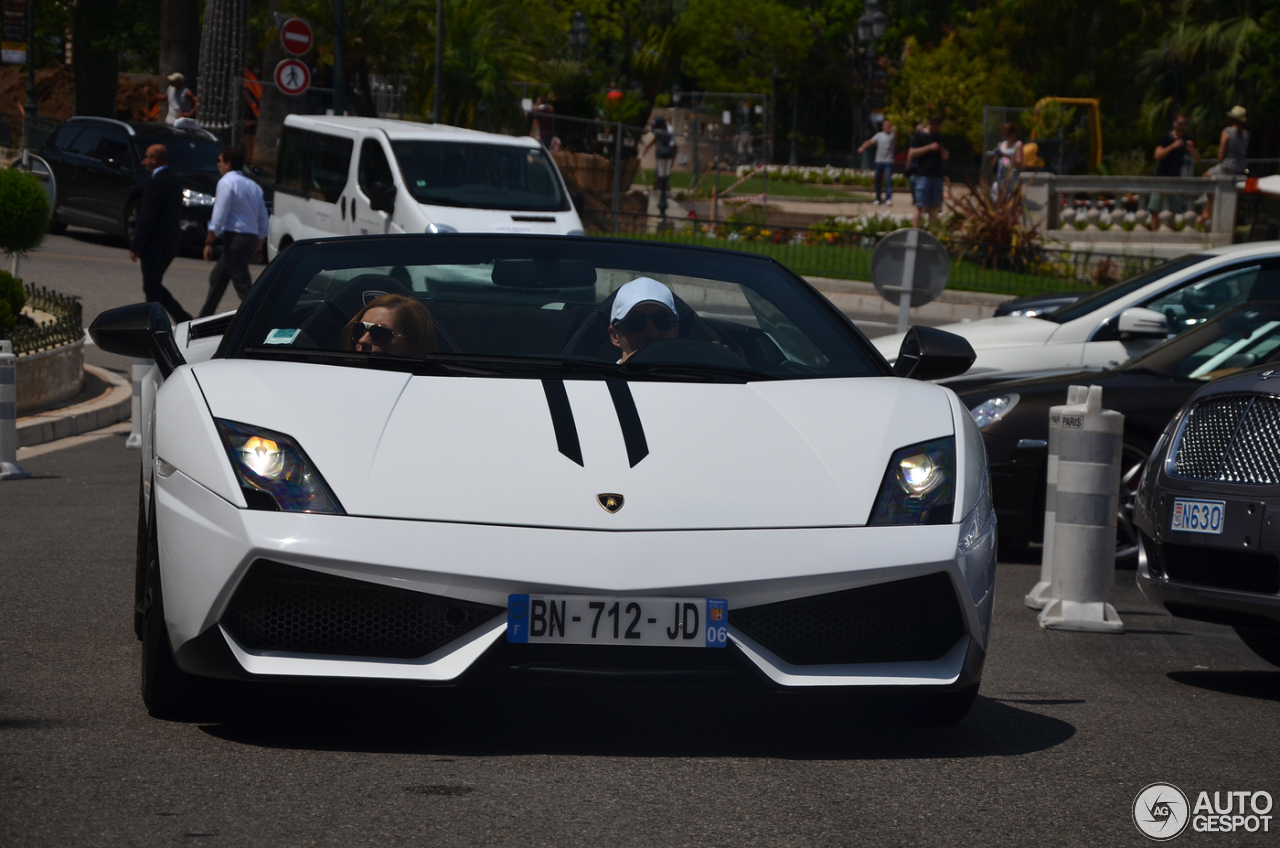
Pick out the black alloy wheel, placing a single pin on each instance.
(1133, 458)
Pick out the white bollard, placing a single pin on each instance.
(1090, 444)
(9, 467)
(141, 367)
(1038, 598)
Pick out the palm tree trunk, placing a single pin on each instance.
(180, 39)
(96, 66)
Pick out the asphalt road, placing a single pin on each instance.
(95, 267)
(1067, 730)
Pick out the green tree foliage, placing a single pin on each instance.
(24, 212)
(745, 45)
(954, 81)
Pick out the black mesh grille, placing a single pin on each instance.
(283, 608)
(907, 620)
(1219, 568)
(1231, 439)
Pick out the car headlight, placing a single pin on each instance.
(919, 486)
(993, 409)
(274, 472)
(441, 228)
(190, 197)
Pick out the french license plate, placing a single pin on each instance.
(603, 620)
(1198, 516)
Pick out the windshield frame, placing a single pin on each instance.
(1103, 297)
(709, 263)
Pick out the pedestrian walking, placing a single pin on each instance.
(928, 151)
(240, 220)
(157, 235)
(544, 124)
(1008, 156)
(1233, 154)
(1171, 151)
(885, 141)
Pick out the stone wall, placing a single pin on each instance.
(49, 377)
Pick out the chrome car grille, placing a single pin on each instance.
(1233, 439)
(917, 619)
(280, 607)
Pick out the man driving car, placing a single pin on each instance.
(644, 311)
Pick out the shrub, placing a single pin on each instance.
(24, 212)
(12, 299)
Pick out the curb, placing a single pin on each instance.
(951, 306)
(112, 406)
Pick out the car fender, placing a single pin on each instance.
(186, 438)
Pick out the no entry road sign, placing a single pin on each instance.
(295, 36)
(292, 77)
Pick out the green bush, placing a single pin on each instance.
(24, 212)
(12, 299)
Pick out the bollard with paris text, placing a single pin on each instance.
(9, 467)
(141, 367)
(1038, 597)
(1090, 444)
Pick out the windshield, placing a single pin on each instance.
(195, 155)
(1110, 294)
(480, 176)
(1242, 338)
(528, 306)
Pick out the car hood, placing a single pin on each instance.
(1005, 331)
(484, 450)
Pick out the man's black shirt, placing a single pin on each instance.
(930, 164)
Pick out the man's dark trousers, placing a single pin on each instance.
(233, 265)
(157, 238)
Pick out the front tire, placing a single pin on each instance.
(167, 691)
(1133, 458)
(1264, 643)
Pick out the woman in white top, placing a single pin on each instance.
(1008, 156)
(183, 102)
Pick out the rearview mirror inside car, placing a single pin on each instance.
(1139, 323)
(139, 331)
(928, 353)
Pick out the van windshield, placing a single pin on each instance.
(480, 176)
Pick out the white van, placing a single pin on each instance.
(357, 176)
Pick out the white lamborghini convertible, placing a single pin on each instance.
(503, 459)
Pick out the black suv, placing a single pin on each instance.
(98, 173)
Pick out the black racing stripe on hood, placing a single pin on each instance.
(629, 420)
(562, 419)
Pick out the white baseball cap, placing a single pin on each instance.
(640, 290)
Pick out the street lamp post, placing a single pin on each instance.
(871, 27)
(31, 110)
(579, 33)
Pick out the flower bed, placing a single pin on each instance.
(823, 175)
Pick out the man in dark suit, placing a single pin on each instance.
(156, 238)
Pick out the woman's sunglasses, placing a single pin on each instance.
(379, 334)
(663, 321)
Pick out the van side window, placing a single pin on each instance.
(373, 166)
(313, 164)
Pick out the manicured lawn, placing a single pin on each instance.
(854, 263)
(680, 181)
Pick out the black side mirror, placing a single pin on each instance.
(383, 197)
(139, 331)
(931, 354)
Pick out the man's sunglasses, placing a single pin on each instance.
(663, 322)
(379, 334)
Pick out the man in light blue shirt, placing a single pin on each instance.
(240, 219)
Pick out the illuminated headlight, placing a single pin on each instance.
(191, 197)
(919, 485)
(441, 228)
(274, 472)
(993, 409)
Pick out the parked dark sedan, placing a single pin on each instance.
(98, 173)
(1148, 390)
(1206, 510)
